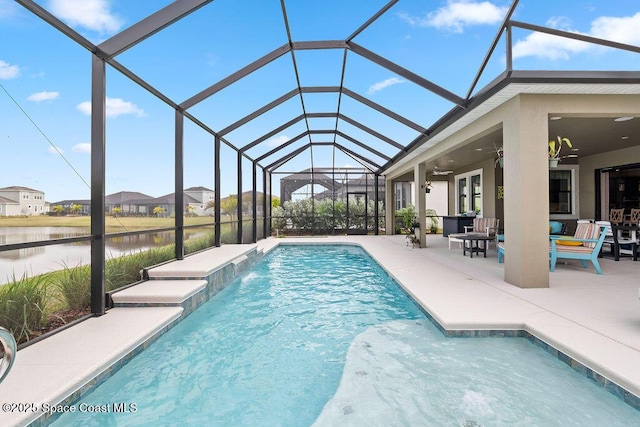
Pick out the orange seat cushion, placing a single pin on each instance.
(568, 243)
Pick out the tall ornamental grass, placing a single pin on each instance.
(23, 300)
(74, 286)
(199, 243)
(124, 270)
(22, 306)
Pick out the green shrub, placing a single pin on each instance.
(432, 220)
(278, 221)
(126, 269)
(74, 285)
(300, 212)
(121, 271)
(408, 215)
(200, 243)
(229, 237)
(22, 305)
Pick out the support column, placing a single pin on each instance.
(239, 213)
(98, 110)
(179, 185)
(254, 231)
(375, 204)
(419, 176)
(389, 207)
(526, 195)
(216, 195)
(264, 204)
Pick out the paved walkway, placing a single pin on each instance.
(594, 319)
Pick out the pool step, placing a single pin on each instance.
(204, 264)
(190, 282)
(153, 293)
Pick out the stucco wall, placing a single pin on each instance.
(489, 194)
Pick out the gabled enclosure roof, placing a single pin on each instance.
(341, 131)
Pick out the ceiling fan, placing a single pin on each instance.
(441, 172)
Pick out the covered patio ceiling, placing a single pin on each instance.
(361, 139)
(589, 135)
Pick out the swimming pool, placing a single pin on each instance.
(321, 334)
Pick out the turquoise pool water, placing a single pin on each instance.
(320, 334)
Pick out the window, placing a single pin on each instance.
(469, 192)
(403, 194)
(560, 192)
(462, 195)
(476, 193)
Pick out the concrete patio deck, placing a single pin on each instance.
(593, 319)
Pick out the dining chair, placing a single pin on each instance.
(634, 218)
(625, 243)
(488, 226)
(608, 239)
(616, 216)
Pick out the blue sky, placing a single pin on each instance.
(45, 78)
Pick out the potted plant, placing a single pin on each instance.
(407, 214)
(427, 185)
(555, 146)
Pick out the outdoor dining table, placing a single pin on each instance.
(474, 239)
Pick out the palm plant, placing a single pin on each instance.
(555, 146)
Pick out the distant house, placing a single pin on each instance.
(166, 202)
(130, 203)
(18, 200)
(196, 200)
(85, 206)
(9, 207)
(201, 197)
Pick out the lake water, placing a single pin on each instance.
(44, 259)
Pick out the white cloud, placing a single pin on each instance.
(83, 147)
(8, 71)
(85, 107)
(458, 14)
(623, 30)
(376, 87)
(115, 107)
(91, 14)
(43, 96)
(619, 29)
(55, 150)
(277, 141)
(547, 46)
